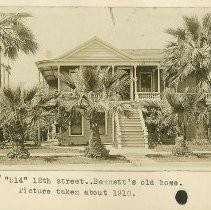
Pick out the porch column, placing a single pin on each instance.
(113, 130)
(59, 80)
(112, 69)
(113, 122)
(131, 84)
(135, 81)
(158, 79)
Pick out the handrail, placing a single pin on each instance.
(146, 145)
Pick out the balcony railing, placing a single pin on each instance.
(157, 96)
(148, 96)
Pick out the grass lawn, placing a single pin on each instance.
(171, 158)
(192, 158)
(193, 147)
(74, 156)
(53, 156)
(114, 159)
(38, 150)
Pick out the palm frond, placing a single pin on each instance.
(206, 21)
(30, 94)
(90, 77)
(47, 98)
(12, 95)
(192, 25)
(16, 36)
(178, 33)
(68, 80)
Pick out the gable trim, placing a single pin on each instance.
(90, 42)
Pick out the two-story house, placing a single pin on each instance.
(143, 67)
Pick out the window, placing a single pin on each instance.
(103, 124)
(146, 82)
(76, 126)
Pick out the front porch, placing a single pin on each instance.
(142, 65)
(145, 81)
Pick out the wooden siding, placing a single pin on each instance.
(96, 51)
(77, 140)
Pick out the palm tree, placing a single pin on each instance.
(183, 110)
(95, 90)
(15, 36)
(20, 110)
(189, 53)
(173, 114)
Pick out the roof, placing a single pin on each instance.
(96, 49)
(97, 43)
(148, 54)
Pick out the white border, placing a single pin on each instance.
(109, 3)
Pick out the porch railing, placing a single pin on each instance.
(146, 145)
(148, 96)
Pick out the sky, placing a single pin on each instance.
(59, 29)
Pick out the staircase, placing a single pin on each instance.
(132, 130)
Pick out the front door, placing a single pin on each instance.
(145, 84)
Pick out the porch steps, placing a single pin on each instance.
(50, 142)
(132, 132)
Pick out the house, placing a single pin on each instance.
(143, 67)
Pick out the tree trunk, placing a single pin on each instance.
(181, 148)
(38, 143)
(19, 151)
(95, 148)
(19, 145)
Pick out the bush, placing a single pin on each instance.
(98, 152)
(18, 153)
(157, 126)
(181, 149)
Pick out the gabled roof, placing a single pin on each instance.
(94, 48)
(145, 54)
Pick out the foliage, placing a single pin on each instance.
(189, 52)
(172, 115)
(19, 153)
(96, 151)
(95, 90)
(15, 35)
(20, 110)
(183, 108)
(181, 148)
(155, 114)
(184, 111)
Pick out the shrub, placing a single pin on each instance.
(181, 149)
(157, 126)
(98, 152)
(19, 153)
